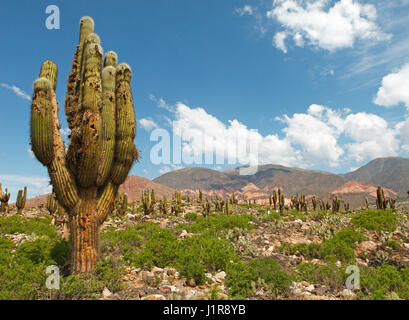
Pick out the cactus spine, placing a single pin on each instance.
(100, 113)
(21, 200)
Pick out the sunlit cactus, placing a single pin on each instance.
(21, 200)
(380, 199)
(51, 204)
(227, 207)
(121, 203)
(100, 113)
(163, 206)
(314, 203)
(4, 199)
(176, 207)
(147, 204)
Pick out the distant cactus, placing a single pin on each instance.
(314, 203)
(392, 203)
(206, 206)
(234, 199)
(121, 204)
(176, 207)
(4, 199)
(21, 200)
(51, 204)
(148, 205)
(227, 207)
(100, 113)
(275, 199)
(380, 199)
(346, 206)
(336, 203)
(163, 206)
(366, 204)
(200, 196)
(281, 203)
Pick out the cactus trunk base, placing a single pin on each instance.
(84, 232)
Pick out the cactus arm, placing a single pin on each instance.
(46, 140)
(106, 201)
(108, 121)
(125, 150)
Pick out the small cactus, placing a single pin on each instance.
(121, 204)
(380, 199)
(147, 204)
(176, 207)
(4, 199)
(206, 206)
(51, 204)
(163, 206)
(314, 203)
(227, 207)
(21, 200)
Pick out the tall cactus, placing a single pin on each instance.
(100, 113)
(4, 199)
(21, 200)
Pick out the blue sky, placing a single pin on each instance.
(314, 84)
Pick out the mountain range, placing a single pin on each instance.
(390, 173)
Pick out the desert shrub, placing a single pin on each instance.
(149, 245)
(379, 220)
(242, 276)
(379, 283)
(272, 216)
(191, 216)
(329, 275)
(215, 223)
(339, 247)
(29, 226)
(392, 244)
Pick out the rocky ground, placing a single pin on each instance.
(264, 239)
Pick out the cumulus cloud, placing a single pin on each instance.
(316, 132)
(372, 135)
(16, 90)
(247, 9)
(204, 134)
(147, 124)
(394, 89)
(327, 27)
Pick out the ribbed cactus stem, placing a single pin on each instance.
(100, 113)
(21, 200)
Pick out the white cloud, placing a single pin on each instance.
(147, 124)
(394, 89)
(161, 103)
(373, 138)
(316, 132)
(279, 41)
(247, 9)
(35, 185)
(204, 134)
(16, 90)
(329, 28)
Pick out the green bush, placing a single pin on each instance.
(379, 220)
(191, 216)
(378, 283)
(339, 247)
(329, 275)
(216, 223)
(29, 226)
(242, 276)
(149, 245)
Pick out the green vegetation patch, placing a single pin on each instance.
(243, 277)
(219, 222)
(339, 247)
(385, 282)
(379, 220)
(149, 245)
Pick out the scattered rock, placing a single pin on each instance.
(154, 297)
(348, 294)
(191, 282)
(220, 275)
(368, 246)
(106, 293)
